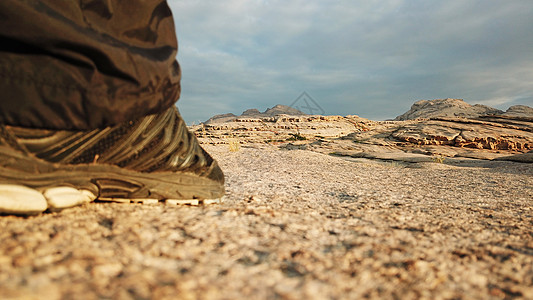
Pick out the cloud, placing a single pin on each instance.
(372, 58)
(496, 101)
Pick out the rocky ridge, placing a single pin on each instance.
(437, 130)
(255, 113)
(450, 108)
(519, 111)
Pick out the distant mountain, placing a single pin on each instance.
(425, 109)
(519, 111)
(282, 110)
(254, 113)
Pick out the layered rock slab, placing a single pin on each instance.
(478, 134)
(483, 138)
(442, 127)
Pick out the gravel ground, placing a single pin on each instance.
(293, 225)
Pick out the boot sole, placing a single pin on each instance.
(108, 182)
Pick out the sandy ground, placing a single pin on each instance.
(293, 225)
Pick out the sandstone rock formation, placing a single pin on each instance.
(519, 111)
(446, 108)
(254, 113)
(479, 134)
(282, 110)
(448, 128)
(485, 138)
(279, 128)
(221, 118)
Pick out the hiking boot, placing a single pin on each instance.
(149, 160)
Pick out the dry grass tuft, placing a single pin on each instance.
(234, 144)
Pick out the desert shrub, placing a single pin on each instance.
(296, 137)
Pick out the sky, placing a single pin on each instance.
(372, 58)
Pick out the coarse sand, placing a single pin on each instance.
(294, 224)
